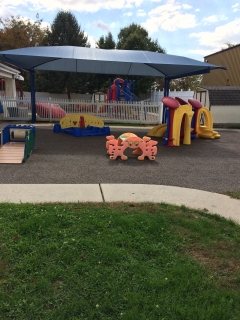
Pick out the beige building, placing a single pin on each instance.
(8, 75)
(229, 58)
(220, 90)
(222, 101)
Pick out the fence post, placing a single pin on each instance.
(141, 111)
(96, 107)
(50, 108)
(160, 110)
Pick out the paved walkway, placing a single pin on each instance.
(59, 158)
(196, 199)
(68, 169)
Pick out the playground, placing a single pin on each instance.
(59, 158)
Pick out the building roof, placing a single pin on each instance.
(223, 50)
(7, 72)
(102, 61)
(223, 95)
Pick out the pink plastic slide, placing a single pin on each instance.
(43, 110)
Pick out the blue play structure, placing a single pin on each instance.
(83, 132)
(121, 90)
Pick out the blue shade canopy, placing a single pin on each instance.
(117, 62)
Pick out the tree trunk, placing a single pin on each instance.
(68, 94)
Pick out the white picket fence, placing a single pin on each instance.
(54, 109)
(157, 95)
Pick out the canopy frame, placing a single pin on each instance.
(103, 61)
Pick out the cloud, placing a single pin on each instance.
(186, 6)
(101, 25)
(170, 16)
(128, 6)
(91, 40)
(213, 18)
(226, 33)
(128, 14)
(202, 52)
(45, 25)
(80, 6)
(6, 12)
(235, 7)
(197, 10)
(141, 13)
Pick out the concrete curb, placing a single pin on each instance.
(36, 193)
(196, 199)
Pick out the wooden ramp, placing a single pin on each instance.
(12, 152)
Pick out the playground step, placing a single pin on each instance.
(12, 152)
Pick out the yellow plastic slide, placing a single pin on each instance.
(158, 131)
(206, 131)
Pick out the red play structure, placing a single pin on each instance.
(121, 90)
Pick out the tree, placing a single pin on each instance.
(187, 83)
(65, 30)
(135, 37)
(229, 45)
(16, 32)
(106, 42)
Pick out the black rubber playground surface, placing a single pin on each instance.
(211, 165)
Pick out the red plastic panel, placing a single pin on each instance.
(181, 101)
(170, 102)
(195, 103)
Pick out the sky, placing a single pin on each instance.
(190, 28)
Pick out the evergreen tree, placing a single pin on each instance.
(65, 31)
(135, 37)
(106, 42)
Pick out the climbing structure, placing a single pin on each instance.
(205, 130)
(183, 122)
(121, 90)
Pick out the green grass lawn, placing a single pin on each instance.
(233, 194)
(117, 261)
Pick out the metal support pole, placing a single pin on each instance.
(33, 97)
(50, 108)
(166, 94)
